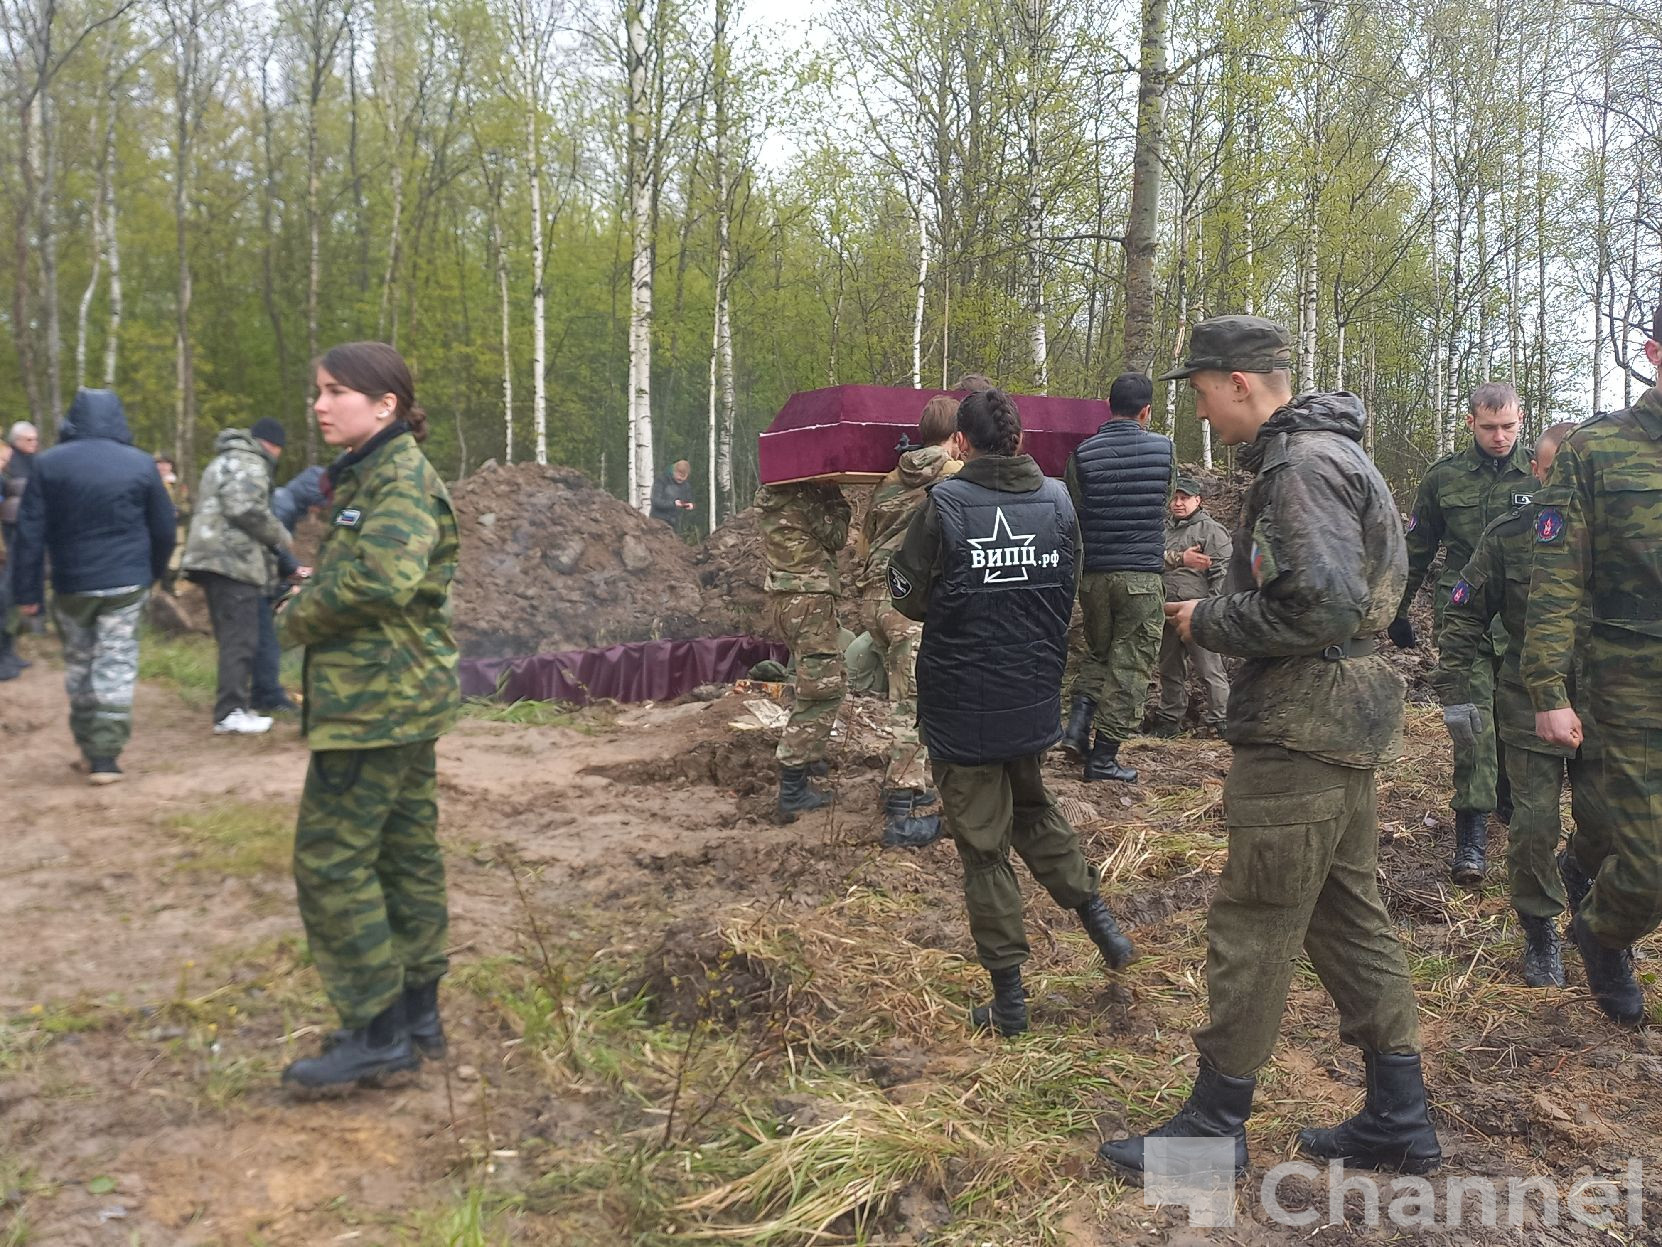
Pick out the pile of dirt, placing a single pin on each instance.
(731, 570)
(549, 562)
(1221, 492)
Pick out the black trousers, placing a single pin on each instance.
(235, 609)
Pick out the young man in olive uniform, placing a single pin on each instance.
(1197, 559)
(1598, 548)
(1461, 495)
(1318, 565)
(1496, 583)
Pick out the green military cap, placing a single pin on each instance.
(1235, 344)
(1186, 484)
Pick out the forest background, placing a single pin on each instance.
(614, 233)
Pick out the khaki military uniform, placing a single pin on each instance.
(1177, 656)
(1461, 495)
(1598, 552)
(1318, 564)
(804, 526)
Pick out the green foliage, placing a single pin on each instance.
(240, 839)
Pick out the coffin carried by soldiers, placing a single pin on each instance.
(852, 434)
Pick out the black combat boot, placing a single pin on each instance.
(1471, 843)
(1006, 1012)
(367, 1052)
(1577, 882)
(1393, 1130)
(1103, 762)
(1543, 963)
(1076, 737)
(421, 1016)
(1217, 1108)
(11, 666)
(906, 828)
(795, 796)
(1610, 975)
(1165, 729)
(1104, 929)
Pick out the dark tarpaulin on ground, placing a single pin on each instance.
(637, 671)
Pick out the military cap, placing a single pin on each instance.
(1186, 484)
(1235, 344)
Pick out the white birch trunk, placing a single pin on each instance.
(640, 268)
(82, 312)
(539, 298)
(918, 309)
(507, 336)
(112, 248)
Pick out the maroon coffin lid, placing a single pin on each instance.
(852, 431)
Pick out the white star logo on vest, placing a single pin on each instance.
(1006, 562)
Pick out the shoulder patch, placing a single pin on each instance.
(1461, 593)
(899, 586)
(1549, 525)
(351, 517)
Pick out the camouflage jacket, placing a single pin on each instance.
(893, 504)
(804, 526)
(232, 530)
(375, 616)
(1461, 495)
(1598, 548)
(1200, 529)
(1318, 560)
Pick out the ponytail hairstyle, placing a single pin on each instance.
(375, 370)
(989, 422)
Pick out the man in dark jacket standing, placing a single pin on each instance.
(1319, 565)
(672, 500)
(1121, 481)
(98, 505)
(1197, 559)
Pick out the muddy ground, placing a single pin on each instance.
(672, 1021)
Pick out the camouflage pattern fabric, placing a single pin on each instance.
(233, 532)
(808, 623)
(369, 874)
(804, 526)
(375, 617)
(1461, 495)
(1301, 875)
(1123, 618)
(1598, 548)
(1185, 584)
(990, 810)
(865, 665)
(100, 666)
(896, 638)
(893, 504)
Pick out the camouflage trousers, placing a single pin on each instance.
(1621, 848)
(990, 810)
(1177, 658)
(896, 638)
(1477, 770)
(369, 874)
(100, 666)
(1124, 613)
(1536, 771)
(808, 623)
(1301, 874)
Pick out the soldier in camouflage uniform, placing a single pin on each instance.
(1496, 583)
(1463, 493)
(1318, 564)
(897, 498)
(1598, 549)
(1197, 559)
(380, 681)
(804, 526)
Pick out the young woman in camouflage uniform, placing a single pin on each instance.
(380, 681)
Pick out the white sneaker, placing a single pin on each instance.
(242, 723)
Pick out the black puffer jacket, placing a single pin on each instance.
(1121, 478)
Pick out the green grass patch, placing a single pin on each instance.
(191, 665)
(524, 713)
(241, 838)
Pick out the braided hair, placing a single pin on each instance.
(989, 422)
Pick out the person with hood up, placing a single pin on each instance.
(896, 499)
(96, 504)
(232, 552)
(1318, 567)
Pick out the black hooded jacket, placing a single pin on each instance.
(97, 504)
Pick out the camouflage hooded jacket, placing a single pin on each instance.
(375, 617)
(1319, 559)
(232, 531)
(893, 504)
(804, 525)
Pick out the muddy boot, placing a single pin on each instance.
(11, 666)
(819, 770)
(421, 1014)
(906, 828)
(1577, 882)
(102, 771)
(795, 796)
(1165, 729)
(1610, 975)
(1006, 1012)
(366, 1052)
(1103, 763)
(1543, 963)
(1471, 843)
(1104, 929)
(1076, 737)
(1393, 1130)
(1217, 1108)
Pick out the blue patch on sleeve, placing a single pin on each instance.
(1549, 525)
(1461, 593)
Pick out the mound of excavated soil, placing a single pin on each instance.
(731, 571)
(549, 562)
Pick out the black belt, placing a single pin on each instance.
(1356, 647)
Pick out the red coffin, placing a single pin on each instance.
(851, 431)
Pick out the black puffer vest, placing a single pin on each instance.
(995, 636)
(1124, 477)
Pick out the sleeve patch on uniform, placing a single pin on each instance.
(899, 586)
(1461, 593)
(349, 518)
(1549, 525)
(1413, 522)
